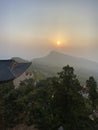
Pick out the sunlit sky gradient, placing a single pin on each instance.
(31, 28)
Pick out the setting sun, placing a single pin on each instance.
(58, 43)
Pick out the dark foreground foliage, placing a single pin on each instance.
(48, 104)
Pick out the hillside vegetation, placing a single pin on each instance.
(50, 103)
(52, 63)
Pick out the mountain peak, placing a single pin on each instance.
(58, 54)
(55, 53)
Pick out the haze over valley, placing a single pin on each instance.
(53, 63)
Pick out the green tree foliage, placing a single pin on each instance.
(5, 89)
(48, 104)
(73, 111)
(92, 87)
(60, 104)
(15, 103)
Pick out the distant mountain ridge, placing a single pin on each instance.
(54, 61)
(19, 60)
(59, 59)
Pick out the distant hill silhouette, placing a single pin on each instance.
(19, 60)
(53, 62)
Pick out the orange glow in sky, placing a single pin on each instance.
(58, 43)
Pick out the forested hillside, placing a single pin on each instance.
(50, 103)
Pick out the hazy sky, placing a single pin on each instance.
(30, 28)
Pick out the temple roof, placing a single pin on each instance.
(10, 69)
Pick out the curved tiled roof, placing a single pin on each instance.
(10, 69)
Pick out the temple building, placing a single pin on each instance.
(10, 69)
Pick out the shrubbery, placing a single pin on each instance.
(48, 104)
